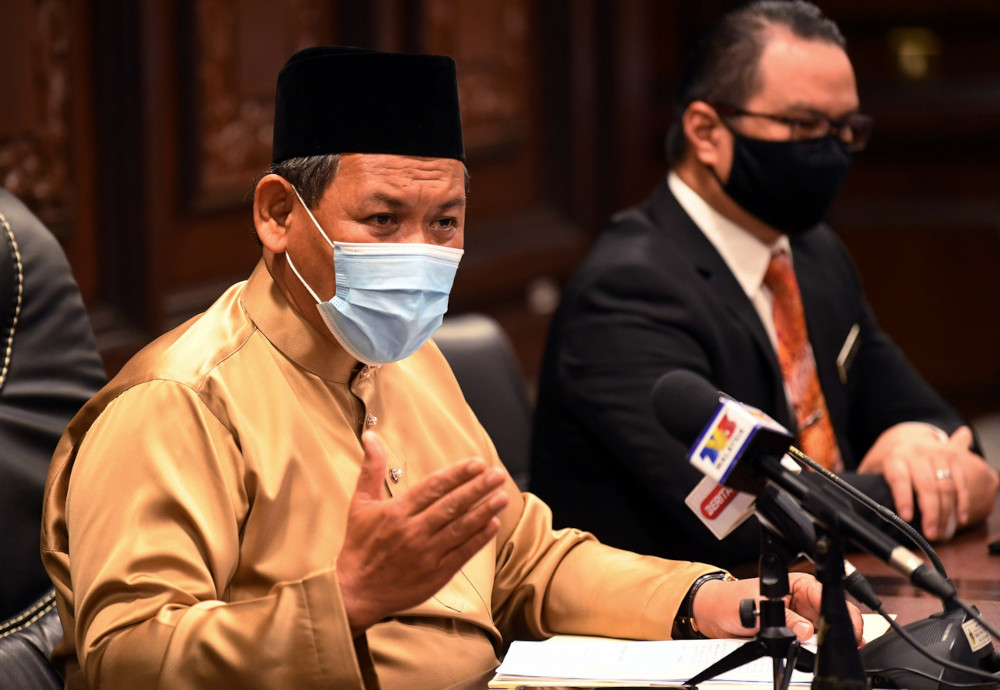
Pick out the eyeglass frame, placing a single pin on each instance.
(834, 127)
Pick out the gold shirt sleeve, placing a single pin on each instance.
(565, 582)
(161, 544)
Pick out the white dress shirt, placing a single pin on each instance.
(745, 255)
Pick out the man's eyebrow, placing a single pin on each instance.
(396, 203)
(813, 110)
(383, 198)
(376, 198)
(458, 201)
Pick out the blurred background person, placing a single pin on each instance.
(727, 271)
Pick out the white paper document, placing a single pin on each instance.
(604, 662)
(594, 661)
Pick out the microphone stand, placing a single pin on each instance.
(775, 638)
(838, 662)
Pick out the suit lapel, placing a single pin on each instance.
(666, 212)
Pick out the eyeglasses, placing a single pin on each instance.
(854, 130)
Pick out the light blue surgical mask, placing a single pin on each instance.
(390, 297)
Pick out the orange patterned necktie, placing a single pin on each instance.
(798, 365)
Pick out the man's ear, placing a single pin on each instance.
(273, 201)
(704, 132)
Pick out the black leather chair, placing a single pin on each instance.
(26, 640)
(483, 359)
(49, 367)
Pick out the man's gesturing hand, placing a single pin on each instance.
(398, 552)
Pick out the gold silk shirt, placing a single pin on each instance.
(195, 508)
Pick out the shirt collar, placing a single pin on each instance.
(292, 335)
(746, 256)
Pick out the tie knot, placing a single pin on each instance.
(780, 275)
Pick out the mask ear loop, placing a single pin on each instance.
(711, 168)
(312, 217)
(715, 173)
(288, 257)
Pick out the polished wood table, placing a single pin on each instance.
(972, 569)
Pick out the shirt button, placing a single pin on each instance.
(371, 421)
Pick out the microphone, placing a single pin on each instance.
(781, 515)
(741, 447)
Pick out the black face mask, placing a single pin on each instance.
(789, 185)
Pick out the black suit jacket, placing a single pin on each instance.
(654, 295)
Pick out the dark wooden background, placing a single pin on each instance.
(135, 129)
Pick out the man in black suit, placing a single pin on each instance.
(768, 121)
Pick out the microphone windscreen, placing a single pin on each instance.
(684, 403)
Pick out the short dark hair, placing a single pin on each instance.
(310, 175)
(723, 66)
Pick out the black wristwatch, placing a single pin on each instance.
(685, 627)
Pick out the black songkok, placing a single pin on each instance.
(334, 99)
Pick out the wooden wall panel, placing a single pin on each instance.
(235, 58)
(520, 242)
(225, 105)
(46, 147)
(920, 211)
(35, 154)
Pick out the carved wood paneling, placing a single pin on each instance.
(239, 49)
(490, 41)
(521, 241)
(35, 153)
